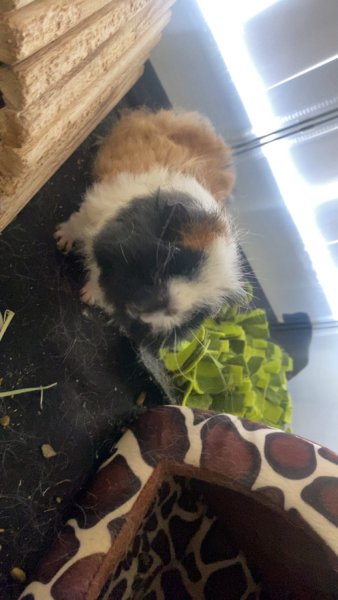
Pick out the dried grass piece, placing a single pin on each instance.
(39, 388)
(48, 451)
(5, 421)
(5, 320)
(141, 398)
(18, 574)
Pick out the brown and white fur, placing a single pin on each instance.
(154, 229)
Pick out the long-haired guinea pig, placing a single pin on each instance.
(154, 231)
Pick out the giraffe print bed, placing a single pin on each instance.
(193, 504)
(181, 550)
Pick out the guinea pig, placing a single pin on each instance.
(158, 243)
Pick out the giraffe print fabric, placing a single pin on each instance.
(181, 549)
(193, 504)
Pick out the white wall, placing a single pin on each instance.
(315, 391)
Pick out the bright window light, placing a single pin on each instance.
(227, 27)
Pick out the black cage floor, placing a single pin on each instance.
(54, 338)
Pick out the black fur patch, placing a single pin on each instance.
(140, 250)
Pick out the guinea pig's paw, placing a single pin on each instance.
(63, 236)
(87, 293)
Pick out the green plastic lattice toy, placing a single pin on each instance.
(232, 366)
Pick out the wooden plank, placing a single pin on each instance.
(25, 82)
(22, 189)
(16, 129)
(12, 4)
(15, 160)
(25, 31)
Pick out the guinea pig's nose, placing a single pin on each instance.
(170, 311)
(159, 301)
(163, 297)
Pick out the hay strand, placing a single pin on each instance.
(5, 321)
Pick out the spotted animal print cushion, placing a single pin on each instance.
(193, 504)
(182, 550)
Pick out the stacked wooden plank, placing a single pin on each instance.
(66, 64)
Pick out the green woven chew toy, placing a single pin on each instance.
(231, 366)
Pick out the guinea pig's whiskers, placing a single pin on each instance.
(197, 339)
(171, 250)
(175, 345)
(148, 344)
(123, 254)
(158, 252)
(167, 223)
(164, 342)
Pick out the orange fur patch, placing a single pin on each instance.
(185, 143)
(200, 235)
